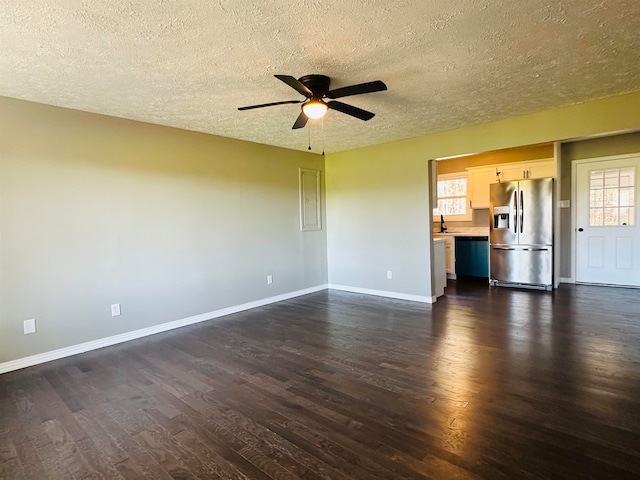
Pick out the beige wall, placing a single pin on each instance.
(379, 221)
(377, 210)
(96, 210)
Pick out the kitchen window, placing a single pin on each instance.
(452, 198)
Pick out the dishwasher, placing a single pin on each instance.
(472, 256)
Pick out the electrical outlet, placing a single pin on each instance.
(29, 326)
(389, 274)
(269, 279)
(115, 310)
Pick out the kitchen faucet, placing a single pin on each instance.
(443, 227)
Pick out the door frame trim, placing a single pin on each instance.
(557, 212)
(574, 202)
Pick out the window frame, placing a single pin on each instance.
(468, 216)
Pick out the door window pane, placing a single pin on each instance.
(627, 197)
(626, 215)
(612, 197)
(596, 217)
(627, 177)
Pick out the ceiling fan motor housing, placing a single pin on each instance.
(318, 84)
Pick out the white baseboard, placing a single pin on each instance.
(144, 332)
(567, 280)
(382, 293)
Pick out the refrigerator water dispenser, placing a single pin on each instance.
(501, 217)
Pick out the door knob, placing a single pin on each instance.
(581, 229)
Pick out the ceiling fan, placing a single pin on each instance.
(316, 88)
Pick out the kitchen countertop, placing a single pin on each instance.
(464, 232)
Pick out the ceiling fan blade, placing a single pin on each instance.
(369, 87)
(351, 110)
(250, 107)
(295, 84)
(300, 122)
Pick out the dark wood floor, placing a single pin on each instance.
(485, 384)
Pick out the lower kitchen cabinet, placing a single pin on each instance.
(450, 250)
(450, 254)
(439, 268)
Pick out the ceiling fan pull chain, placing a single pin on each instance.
(322, 127)
(309, 134)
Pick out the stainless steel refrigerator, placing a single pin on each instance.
(521, 234)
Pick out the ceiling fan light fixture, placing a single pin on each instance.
(314, 108)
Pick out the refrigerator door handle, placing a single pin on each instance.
(515, 215)
(521, 212)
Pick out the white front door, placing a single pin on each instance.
(607, 222)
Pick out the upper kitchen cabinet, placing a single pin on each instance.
(480, 178)
(524, 170)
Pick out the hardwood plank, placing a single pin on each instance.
(70, 396)
(31, 463)
(68, 450)
(306, 466)
(53, 463)
(7, 451)
(274, 461)
(11, 469)
(103, 442)
(35, 402)
(138, 459)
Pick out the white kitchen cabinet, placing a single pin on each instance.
(513, 172)
(450, 250)
(542, 169)
(525, 170)
(450, 254)
(439, 267)
(479, 178)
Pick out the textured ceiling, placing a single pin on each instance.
(191, 63)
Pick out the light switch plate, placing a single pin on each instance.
(565, 203)
(115, 309)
